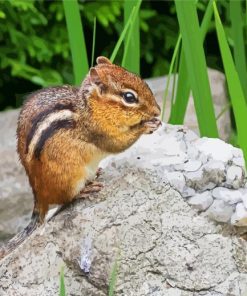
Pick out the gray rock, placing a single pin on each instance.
(244, 197)
(220, 211)
(214, 171)
(215, 149)
(227, 195)
(201, 201)
(239, 218)
(239, 161)
(163, 247)
(192, 165)
(176, 180)
(234, 176)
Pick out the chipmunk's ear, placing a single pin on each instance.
(103, 60)
(94, 76)
(96, 81)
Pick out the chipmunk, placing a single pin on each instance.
(64, 132)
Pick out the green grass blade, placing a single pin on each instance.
(238, 39)
(174, 80)
(62, 291)
(131, 57)
(76, 40)
(234, 86)
(179, 107)
(113, 276)
(197, 70)
(131, 19)
(169, 76)
(94, 37)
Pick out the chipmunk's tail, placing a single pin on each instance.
(21, 236)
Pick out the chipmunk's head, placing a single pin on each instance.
(120, 101)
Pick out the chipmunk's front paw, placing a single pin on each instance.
(152, 125)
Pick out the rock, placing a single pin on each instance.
(215, 149)
(201, 201)
(244, 198)
(162, 246)
(220, 99)
(227, 195)
(192, 165)
(234, 175)
(239, 161)
(220, 211)
(214, 171)
(176, 179)
(239, 218)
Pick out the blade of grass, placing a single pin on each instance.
(131, 19)
(94, 37)
(131, 58)
(197, 70)
(113, 276)
(174, 80)
(62, 291)
(234, 85)
(76, 40)
(179, 107)
(169, 76)
(225, 108)
(238, 39)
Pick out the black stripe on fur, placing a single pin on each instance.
(41, 116)
(50, 131)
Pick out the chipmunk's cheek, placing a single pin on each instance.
(135, 121)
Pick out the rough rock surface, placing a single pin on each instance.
(163, 246)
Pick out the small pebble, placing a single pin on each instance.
(239, 218)
(220, 211)
(238, 161)
(192, 165)
(176, 180)
(234, 176)
(229, 196)
(201, 201)
(215, 149)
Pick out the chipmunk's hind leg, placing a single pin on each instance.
(34, 223)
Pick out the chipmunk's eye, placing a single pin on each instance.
(129, 97)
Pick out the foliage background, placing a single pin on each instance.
(34, 46)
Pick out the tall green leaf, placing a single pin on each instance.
(238, 40)
(132, 18)
(62, 291)
(131, 59)
(113, 276)
(196, 66)
(76, 40)
(234, 85)
(178, 109)
(93, 44)
(169, 75)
